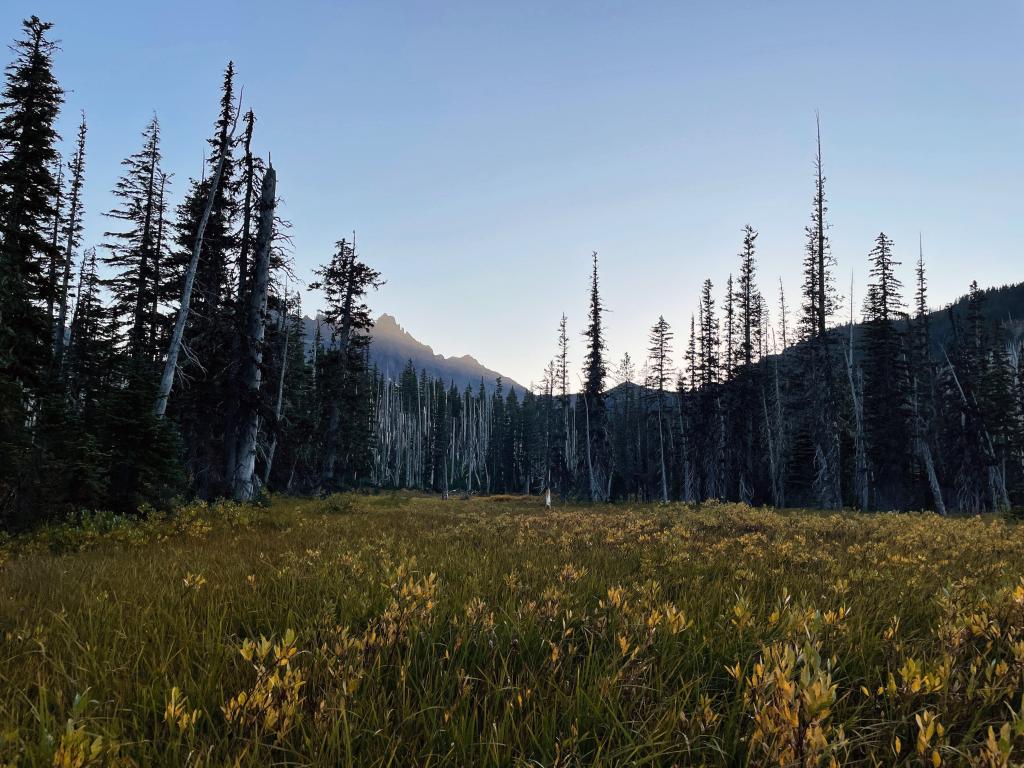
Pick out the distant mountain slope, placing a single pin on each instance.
(1003, 306)
(393, 347)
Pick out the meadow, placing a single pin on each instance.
(397, 630)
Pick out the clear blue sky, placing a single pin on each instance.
(482, 150)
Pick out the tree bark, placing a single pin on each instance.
(279, 405)
(244, 483)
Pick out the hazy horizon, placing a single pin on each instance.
(482, 152)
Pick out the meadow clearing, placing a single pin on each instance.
(397, 630)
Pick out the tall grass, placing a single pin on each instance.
(402, 630)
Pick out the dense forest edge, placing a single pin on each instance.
(170, 361)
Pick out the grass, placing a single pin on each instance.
(399, 630)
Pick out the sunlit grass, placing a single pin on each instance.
(404, 630)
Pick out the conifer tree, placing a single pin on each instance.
(594, 373)
(133, 250)
(244, 479)
(886, 397)
(690, 359)
(822, 253)
(90, 339)
(748, 299)
(659, 355)
(74, 463)
(72, 239)
(922, 375)
(564, 460)
(731, 354)
(29, 105)
(708, 362)
(297, 426)
(165, 276)
(783, 320)
(202, 406)
(342, 370)
(815, 448)
(53, 272)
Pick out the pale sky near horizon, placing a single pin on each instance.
(482, 150)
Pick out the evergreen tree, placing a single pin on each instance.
(707, 360)
(690, 359)
(824, 301)
(731, 354)
(748, 299)
(90, 342)
(814, 459)
(72, 240)
(594, 373)
(59, 220)
(72, 459)
(202, 406)
(628, 434)
(297, 429)
(659, 355)
(922, 376)
(133, 251)
(343, 374)
(783, 321)
(29, 105)
(564, 458)
(886, 397)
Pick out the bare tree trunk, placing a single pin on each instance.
(234, 406)
(661, 445)
(244, 483)
(688, 490)
(174, 348)
(933, 480)
(860, 470)
(279, 405)
(997, 480)
(444, 490)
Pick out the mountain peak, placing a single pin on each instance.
(387, 321)
(393, 347)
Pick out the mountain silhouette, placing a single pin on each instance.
(393, 347)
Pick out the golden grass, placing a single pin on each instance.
(405, 630)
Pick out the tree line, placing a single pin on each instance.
(811, 410)
(170, 359)
(162, 361)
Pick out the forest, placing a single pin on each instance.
(169, 361)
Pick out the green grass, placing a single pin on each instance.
(494, 632)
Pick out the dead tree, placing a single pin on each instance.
(860, 469)
(163, 393)
(279, 403)
(996, 473)
(244, 483)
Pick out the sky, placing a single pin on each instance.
(482, 150)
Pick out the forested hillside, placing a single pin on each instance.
(1001, 307)
(170, 358)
